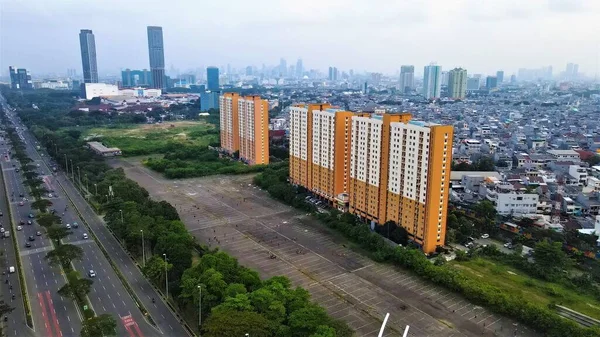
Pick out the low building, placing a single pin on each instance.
(104, 151)
(141, 92)
(91, 90)
(564, 155)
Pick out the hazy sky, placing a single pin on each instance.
(374, 35)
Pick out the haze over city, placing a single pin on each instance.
(351, 34)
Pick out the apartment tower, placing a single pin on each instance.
(87, 42)
(245, 127)
(156, 53)
(457, 83)
(432, 81)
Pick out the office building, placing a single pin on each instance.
(140, 92)
(282, 67)
(333, 73)
(212, 77)
(91, 90)
(209, 100)
(381, 167)
(136, 78)
(500, 77)
(432, 81)
(245, 127)
(87, 42)
(407, 79)
(445, 78)
(572, 70)
(299, 68)
(457, 83)
(473, 83)
(249, 71)
(156, 52)
(491, 82)
(20, 78)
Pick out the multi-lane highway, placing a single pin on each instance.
(108, 293)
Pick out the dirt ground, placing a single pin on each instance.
(229, 212)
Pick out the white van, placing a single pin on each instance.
(11, 269)
(6, 234)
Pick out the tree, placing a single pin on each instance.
(76, 287)
(550, 258)
(224, 323)
(324, 331)
(57, 233)
(155, 269)
(485, 209)
(64, 254)
(99, 326)
(47, 219)
(305, 321)
(41, 204)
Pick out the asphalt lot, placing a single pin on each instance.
(241, 219)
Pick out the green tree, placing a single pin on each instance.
(47, 219)
(155, 270)
(99, 326)
(305, 321)
(550, 258)
(324, 331)
(64, 254)
(76, 287)
(41, 204)
(223, 323)
(240, 302)
(57, 233)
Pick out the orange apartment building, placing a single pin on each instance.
(392, 168)
(245, 127)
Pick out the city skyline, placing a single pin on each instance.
(489, 50)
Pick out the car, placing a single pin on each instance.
(21, 222)
(38, 233)
(31, 238)
(30, 216)
(28, 244)
(1, 229)
(17, 169)
(21, 203)
(29, 222)
(20, 195)
(485, 236)
(19, 228)
(508, 245)
(68, 226)
(85, 236)
(75, 224)
(38, 165)
(1, 214)
(92, 273)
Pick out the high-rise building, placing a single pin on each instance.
(20, 78)
(87, 43)
(136, 78)
(407, 78)
(333, 73)
(212, 78)
(380, 167)
(245, 127)
(432, 81)
(299, 68)
(445, 78)
(513, 79)
(156, 51)
(500, 76)
(491, 82)
(282, 67)
(249, 71)
(572, 70)
(457, 83)
(473, 83)
(209, 100)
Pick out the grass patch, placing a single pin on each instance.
(533, 290)
(143, 139)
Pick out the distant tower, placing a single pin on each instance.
(156, 51)
(457, 83)
(432, 81)
(407, 78)
(500, 77)
(299, 68)
(212, 78)
(87, 43)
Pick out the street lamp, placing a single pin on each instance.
(200, 311)
(72, 170)
(122, 222)
(143, 249)
(96, 186)
(166, 277)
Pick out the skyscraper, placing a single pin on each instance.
(500, 76)
(212, 78)
(156, 51)
(407, 78)
(282, 67)
(135, 78)
(491, 82)
(445, 78)
(432, 81)
(473, 83)
(572, 70)
(88, 56)
(457, 83)
(330, 73)
(299, 68)
(20, 78)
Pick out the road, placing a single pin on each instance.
(108, 293)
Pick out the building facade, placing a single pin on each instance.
(87, 43)
(245, 127)
(500, 77)
(386, 167)
(212, 77)
(20, 78)
(92, 90)
(491, 82)
(457, 83)
(432, 81)
(407, 79)
(136, 78)
(209, 100)
(156, 53)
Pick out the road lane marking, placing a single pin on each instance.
(45, 314)
(53, 312)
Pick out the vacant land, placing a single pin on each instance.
(533, 290)
(145, 139)
(243, 220)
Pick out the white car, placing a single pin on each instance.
(68, 226)
(85, 236)
(1, 230)
(19, 228)
(92, 273)
(485, 236)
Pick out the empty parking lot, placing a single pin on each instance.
(241, 219)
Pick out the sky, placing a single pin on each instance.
(365, 35)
